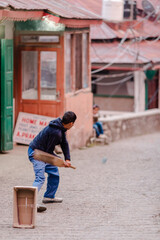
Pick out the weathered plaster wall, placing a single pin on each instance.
(9, 25)
(115, 104)
(131, 124)
(80, 103)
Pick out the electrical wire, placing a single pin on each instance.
(113, 61)
(100, 16)
(120, 45)
(112, 83)
(140, 39)
(148, 65)
(124, 50)
(153, 97)
(114, 75)
(95, 82)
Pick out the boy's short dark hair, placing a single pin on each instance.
(69, 117)
(95, 106)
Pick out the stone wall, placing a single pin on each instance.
(131, 124)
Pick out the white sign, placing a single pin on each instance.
(28, 126)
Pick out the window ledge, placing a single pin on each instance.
(84, 90)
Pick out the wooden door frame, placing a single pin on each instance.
(148, 83)
(59, 76)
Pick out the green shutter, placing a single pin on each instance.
(146, 94)
(6, 95)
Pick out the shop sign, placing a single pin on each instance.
(28, 126)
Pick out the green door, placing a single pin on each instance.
(6, 95)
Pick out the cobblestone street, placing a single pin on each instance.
(114, 194)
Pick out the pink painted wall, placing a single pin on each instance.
(81, 103)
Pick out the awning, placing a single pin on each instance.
(62, 8)
(38, 15)
(79, 23)
(20, 15)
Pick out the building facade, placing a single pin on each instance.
(45, 67)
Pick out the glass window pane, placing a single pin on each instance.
(48, 75)
(36, 38)
(54, 39)
(85, 60)
(78, 59)
(29, 74)
(68, 83)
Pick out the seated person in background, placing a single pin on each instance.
(96, 124)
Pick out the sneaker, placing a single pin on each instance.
(52, 200)
(102, 136)
(41, 208)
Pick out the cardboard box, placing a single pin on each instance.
(24, 206)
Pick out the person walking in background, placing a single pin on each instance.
(52, 135)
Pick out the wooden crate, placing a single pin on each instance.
(24, 206)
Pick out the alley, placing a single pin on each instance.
(114, 194)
